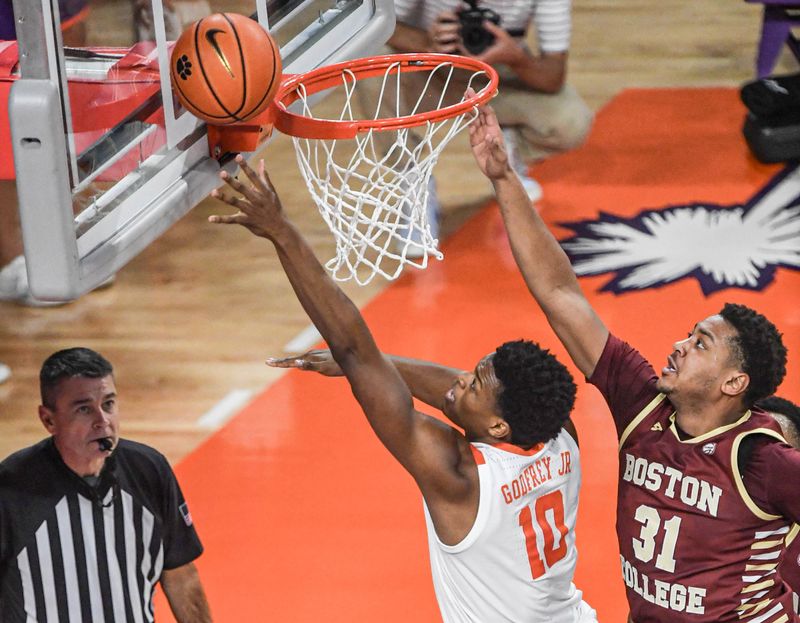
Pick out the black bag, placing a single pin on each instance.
(775, 139)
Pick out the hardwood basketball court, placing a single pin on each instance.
(190, 321)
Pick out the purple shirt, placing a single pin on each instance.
(67, 9)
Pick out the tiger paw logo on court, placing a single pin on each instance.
(721, 246)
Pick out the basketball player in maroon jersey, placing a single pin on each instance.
(787, 414)
(707, 484)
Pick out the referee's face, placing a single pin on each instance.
(83, 414)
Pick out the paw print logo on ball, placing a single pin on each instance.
(184, 67)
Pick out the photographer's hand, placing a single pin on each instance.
(444, 34)
(505, 49)
(544, 72)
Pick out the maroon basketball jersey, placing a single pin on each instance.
(790, 567)
(693, 545)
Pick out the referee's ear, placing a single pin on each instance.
(46, 416)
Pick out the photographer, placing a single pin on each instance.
(540, 114)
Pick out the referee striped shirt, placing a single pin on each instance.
(551, 18)
(71, 552)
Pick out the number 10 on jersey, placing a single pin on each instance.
(553, 503)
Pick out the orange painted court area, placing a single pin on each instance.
(306, 517)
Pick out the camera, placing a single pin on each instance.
(474, 36)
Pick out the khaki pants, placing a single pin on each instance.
(545, 124)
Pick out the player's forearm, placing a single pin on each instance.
(549, 276)
(185, 595)
(409, 39)
(543, 263)
(376, 384)
(427, 381)
(330, 310)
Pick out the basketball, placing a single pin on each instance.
(225, 68)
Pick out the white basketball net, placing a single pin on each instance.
(374, 201)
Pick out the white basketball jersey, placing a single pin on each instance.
(517, 562)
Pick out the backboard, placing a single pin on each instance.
(105, 158)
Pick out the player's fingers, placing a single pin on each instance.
(227, 219)
(232, 200)
(248, 191)
(282, 362)
(489, 116)
(290, 362)
(475, 134)
(260, 180)
(254, 178)
(263, 175)
(262, 171)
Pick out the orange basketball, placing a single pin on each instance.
(225, 68)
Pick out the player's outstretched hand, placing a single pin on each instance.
(314, 360)
(258, 208)
(486, 140)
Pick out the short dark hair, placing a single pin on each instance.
(67, 364)
(537, 393)
(776, 404)
(758, 348)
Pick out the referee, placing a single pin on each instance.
(89, 522)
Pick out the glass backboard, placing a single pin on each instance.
(105, 158)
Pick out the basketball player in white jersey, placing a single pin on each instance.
(500, 498)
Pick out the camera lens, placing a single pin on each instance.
(473, 35)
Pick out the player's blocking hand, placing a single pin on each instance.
(320, 361)
(258, 208)
(486, 140)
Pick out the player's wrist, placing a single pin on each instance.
(280, 231)
(505, 178)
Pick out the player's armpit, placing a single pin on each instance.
(422, 444)
(578, 327)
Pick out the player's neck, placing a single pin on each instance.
(698, 419)
(488, 440)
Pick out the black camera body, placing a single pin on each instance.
(473, 35)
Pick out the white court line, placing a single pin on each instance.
(303, 341)
(221, 412)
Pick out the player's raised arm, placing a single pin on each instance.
(427, 381)
(427, 448)
(544, 265)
